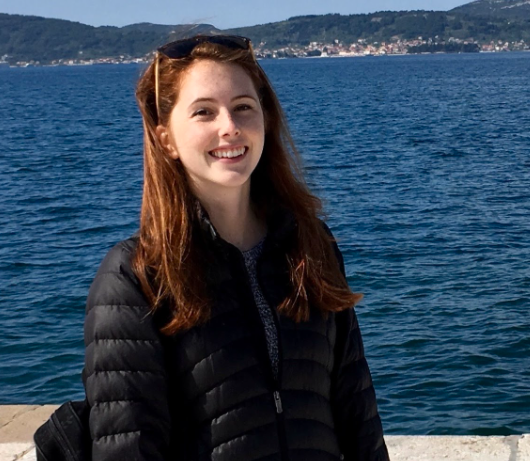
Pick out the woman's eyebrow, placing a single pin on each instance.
(244, 96)
(241, 96)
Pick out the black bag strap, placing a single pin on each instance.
(66, 434)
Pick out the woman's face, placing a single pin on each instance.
(216, 128)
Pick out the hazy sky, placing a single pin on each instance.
(221, 13)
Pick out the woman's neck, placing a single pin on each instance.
(234, 217)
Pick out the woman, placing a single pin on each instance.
(224, 330)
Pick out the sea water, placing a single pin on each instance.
(423, 164)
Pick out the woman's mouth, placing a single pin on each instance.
(229, 153)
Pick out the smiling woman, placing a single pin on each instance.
(216, 130)
(225, 329)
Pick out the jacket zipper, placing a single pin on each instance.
(276, 380)
(280, 418)
(278, 402)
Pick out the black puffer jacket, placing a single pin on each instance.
(209, 393)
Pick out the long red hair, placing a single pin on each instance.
(168, 262)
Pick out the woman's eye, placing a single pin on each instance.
(202, 112)
(243, 107)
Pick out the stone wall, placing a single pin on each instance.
(19, 422)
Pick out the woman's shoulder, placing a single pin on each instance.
(115, 282)
(335, 246)
(119, 258)
(326, 228)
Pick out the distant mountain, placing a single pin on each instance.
(381, 26)
(507, 9)
(385, 26)
(33, 38)
(26, 39)
(177, 30)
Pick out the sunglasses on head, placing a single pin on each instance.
(183, 48)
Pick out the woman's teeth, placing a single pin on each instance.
(228, 153)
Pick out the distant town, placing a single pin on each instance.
(398, 47)
(322, 50)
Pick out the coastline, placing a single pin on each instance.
(142, 61)
(19, 422)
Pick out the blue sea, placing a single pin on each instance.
(423, 163)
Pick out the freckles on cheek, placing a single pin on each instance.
(188, 138)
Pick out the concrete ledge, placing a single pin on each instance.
(459, 448)
(17, 425)
(19, 422)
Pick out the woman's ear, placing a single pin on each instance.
(165, 140)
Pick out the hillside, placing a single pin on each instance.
(384, 27)
(35, 39)
(169, 31)
(505, 9)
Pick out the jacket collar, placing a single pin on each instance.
(281, 224)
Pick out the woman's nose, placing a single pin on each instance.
(228, 125)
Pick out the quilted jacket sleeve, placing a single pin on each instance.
(357, 420)
(124, 375)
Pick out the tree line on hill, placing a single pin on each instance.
(386, 26)
(31, 38)
(507, 9)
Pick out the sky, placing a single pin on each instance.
(223, 14)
